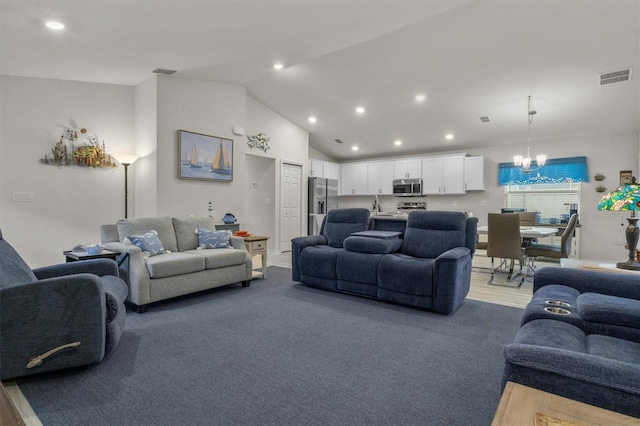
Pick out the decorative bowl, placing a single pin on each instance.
(229, 219)
(241, 233)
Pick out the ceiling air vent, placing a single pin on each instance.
(163, 71)
(484, 119)
(615, 76)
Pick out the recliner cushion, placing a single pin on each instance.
(406, 274)
(604, 309)
(431, 233)
(14, 270)
(341, 223)
(319, 261)
(172, 264)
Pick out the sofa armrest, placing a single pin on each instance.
(59, 311)
(372, 245)
(453, 255)
(604, 309)
(134, 272)
(611, 283)
(300, 243)
(238, 243)
(99, 267)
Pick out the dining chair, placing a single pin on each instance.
(535, 250)
(528, 219)
(505, 242)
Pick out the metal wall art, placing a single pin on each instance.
(79, 150)
(260, 141)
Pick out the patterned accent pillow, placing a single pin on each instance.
(212, 239)
(148, 242)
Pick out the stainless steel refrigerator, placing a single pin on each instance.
(323, 195)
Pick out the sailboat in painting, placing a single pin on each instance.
(222, 162)
(194, 158)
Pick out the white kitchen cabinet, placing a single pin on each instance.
(331, 170)
(380, 177)
(443, 175)
(474, 173)
(353, 179)
(316, 168)
(410, 168)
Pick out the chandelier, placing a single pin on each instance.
(524, 163)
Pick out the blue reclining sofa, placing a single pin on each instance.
(580, 338)
(429, 268)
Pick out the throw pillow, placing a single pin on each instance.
(148, 242)
(208, 239)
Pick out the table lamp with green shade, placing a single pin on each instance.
(626, 197)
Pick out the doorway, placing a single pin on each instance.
(290, 204)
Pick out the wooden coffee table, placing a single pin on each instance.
(521, 405)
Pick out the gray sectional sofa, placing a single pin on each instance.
(182, 268)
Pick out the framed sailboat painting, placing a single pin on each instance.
(204, 157)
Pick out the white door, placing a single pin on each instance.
(290, 204)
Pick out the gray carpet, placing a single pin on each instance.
(280, 353)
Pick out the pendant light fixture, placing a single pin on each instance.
(524, 163)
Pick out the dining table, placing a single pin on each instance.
(527, 231)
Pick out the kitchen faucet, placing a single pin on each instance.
(376, 204)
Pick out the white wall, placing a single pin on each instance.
(601, 236)
(288, 144)
(70, 202)
(204, 107)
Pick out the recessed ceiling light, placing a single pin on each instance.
(53, 25)
(397, 142)
(448, 136)
(278, 66)
(421, 97)
(360, 110)
(354, 148)
(312, 119)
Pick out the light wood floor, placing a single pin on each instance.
(480, 290)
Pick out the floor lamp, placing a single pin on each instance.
(126, 160)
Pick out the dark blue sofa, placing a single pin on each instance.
(429, 268)
(580, 338)
(59, 316)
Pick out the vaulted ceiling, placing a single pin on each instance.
(470, 58)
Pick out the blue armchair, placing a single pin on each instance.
(59, 316)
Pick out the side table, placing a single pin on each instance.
(257, 245)
(73, 256)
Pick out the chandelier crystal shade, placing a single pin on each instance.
(524, 163)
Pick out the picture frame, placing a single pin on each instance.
(204, 157)
(625, 177)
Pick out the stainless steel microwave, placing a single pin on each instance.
(407, 187)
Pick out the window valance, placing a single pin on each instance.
(556, 170)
